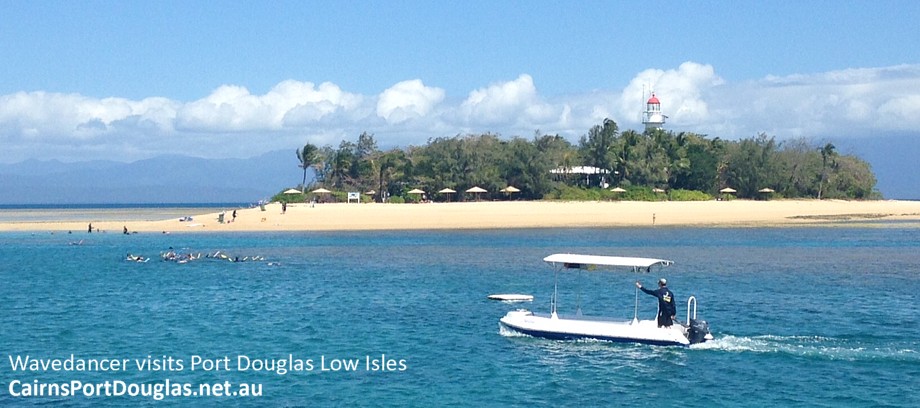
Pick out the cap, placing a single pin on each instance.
(662, 281)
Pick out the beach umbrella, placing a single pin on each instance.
(417, 191)
(321, 191)
(292, 191)
(510, 190)
(728, 190)
(476, 190)
(447, 191)
(618, 190)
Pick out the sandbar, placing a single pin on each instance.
(508, 214)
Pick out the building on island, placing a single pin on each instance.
(652, 118)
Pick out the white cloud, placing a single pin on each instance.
(47, 115)
(407, 100)
(846, 103)
(901, 112)
(232, 121)
(290, 103)
(508, 103)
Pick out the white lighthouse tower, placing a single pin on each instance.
(652, 117)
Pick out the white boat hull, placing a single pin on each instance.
(579, 327)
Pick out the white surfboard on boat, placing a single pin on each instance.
(511, 297)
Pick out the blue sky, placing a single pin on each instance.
(128, 80)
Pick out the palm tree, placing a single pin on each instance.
(307, 157)
(387, 166)
(827, 154)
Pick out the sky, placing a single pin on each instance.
(128, 80)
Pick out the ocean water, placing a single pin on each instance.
(801, 317)
(108, 212)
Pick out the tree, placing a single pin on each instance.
(597, 147)
(343, 164)
(675, 149)
(750, 165)
(525, 167)
(387, 166)
(801, 163)
(556, 149)
(828, 154)
(853, 179)
(653, 166)
(702, 158)
(625, 157)
(366, 146)
(308, 156)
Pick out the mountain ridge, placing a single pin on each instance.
(161, 179)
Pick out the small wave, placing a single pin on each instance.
(810, 346)
(504, 331)
(509, 332)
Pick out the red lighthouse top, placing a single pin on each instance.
(653, 100)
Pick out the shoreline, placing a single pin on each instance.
(496, 215)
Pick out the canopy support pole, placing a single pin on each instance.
(555, 288)
(636, 309)
(578, 295)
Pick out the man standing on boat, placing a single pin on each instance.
(667, 311)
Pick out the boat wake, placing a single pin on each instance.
(504, 331)
(820, 347)
(812, 346)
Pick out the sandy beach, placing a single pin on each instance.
(513, 214)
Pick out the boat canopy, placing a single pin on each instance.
(585, 261)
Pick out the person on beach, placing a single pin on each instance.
(283, 207)
(667, 311)
(90, 230)
(234, 215)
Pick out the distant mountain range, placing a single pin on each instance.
(895, 160)
(163, 179)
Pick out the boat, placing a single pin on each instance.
(579, 327)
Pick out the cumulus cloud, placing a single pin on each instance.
(233, 121)
(47, 114)
(407, 100)
(232, 108)
(509, 103)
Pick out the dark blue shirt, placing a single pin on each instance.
(665, 300)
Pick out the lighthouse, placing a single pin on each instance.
(652, 117)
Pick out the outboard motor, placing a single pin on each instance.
(699, 331)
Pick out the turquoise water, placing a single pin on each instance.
(108, 212)
(802, 317)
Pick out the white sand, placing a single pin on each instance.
(514, 214)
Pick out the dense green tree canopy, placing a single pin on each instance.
(655, 159)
